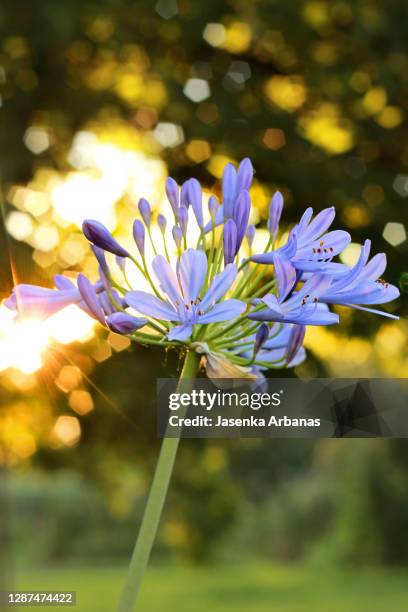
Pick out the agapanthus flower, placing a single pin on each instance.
(309, 248)
(243, 314)
(182, 288)
(362, 284)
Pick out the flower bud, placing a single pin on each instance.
(183, 219)
(250, 235)
(230, 241)
(245, 175)
(145, 211)
(122, 323)
(139, 236)
(184, 197)
(121, 262)
(213, 205)
(101, 237)
(242, 208)
(295, 341)
(195, 196)
(162, 223)
(105, 302)
(177, 235)
(62, 282)
(172, 192)
(229, 181)
(261, 337)
(100, 256)
(275, 212)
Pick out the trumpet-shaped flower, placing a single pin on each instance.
(182, 288)
(362, 284)
(309, 248)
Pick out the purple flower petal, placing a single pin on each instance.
(167, 279)
(304, 220)
(62, 282)
(374, 268)
(223, 311)
(90, 298)
(318, 226)
(347, 279)
(219, 286)
(191, 271)
(330, 244)
(272, 303)
(285, 274)
(150, 305)
(181, 332)
(311, 290)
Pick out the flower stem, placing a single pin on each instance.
(155, 502)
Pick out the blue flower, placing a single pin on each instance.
(302, 308)
(182, 290)
(362, 284)
(308, 249)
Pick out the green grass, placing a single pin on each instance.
(255, 588)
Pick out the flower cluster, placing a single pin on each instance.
(245, 312)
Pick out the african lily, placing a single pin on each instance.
(207, 295)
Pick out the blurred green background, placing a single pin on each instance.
(100, 100)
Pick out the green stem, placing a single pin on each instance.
(155, 502)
